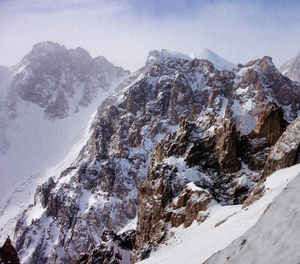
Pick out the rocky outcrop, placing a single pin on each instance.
(255, 147)
(286, 151)
(283, 154)
(99, 190)
(114, 249)
(8, 254)
(190, 168)
(291, 69)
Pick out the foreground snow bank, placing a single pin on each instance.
(275, 238)
(225, 224)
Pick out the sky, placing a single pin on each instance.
(124, 31)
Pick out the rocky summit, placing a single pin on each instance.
(175, 137)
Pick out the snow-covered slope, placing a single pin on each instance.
(291, 68)
(218, 62)
(47, 101)
(226, 223)
(6, 76)
(275, 237)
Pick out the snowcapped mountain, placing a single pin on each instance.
(46, 101)
(228, 120)
(291, 68)
(218, 62)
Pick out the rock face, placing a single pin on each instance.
(291, 69)
(189, 169)
(255, 147)
(8, 254)
(99, 190)
(114, 249)
(283, 154)
(286, 151)
(274, 238)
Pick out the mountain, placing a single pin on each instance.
(218, 62)
(291, 68)
(46, 101)
(214, 128)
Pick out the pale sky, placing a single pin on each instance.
(125, 30)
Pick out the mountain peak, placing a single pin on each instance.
(218, 62)
(164, 54)
(48, 46)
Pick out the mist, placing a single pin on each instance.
(125, 31)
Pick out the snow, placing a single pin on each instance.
(131, 225)
(223, 107)
(198, 242)
(5, 79)
(218, 62)
(274, 238)
(245, 114)
(191, 186)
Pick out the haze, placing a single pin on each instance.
(125, 31)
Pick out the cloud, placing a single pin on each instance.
(124, 31)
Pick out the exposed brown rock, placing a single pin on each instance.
(8, 254)
(269, 127)
(167, 198)
(285, 151)
(270, 122)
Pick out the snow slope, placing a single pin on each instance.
(23, 194)
(275, 237)
(5, 79)
(219, 62)
(227, 223)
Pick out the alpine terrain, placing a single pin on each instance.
(183, 160)
(45, 102)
